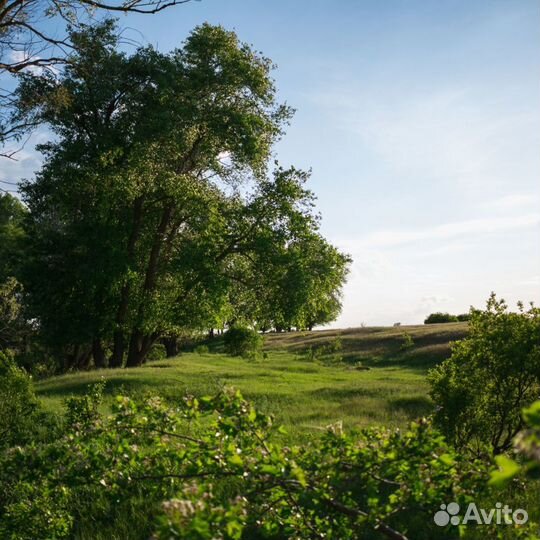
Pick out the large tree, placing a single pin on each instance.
(156, 196)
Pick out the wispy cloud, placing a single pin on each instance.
(468, 228)
(516, 201)
(468, 135)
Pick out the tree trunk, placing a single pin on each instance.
(140, 344)
(117, 358)
(171, 346)
(70, 358)
(98, 353)
(82, 358)
(119, 343)
(135, 342)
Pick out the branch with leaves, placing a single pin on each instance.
(28, 45)
(231, 480)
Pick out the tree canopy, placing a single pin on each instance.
(157, 207)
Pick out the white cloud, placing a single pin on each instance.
(435, 299)
(472, 136)
(514, 201)
(18, 57)
(467, 228)
(26, 160)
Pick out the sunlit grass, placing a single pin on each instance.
(304, 396)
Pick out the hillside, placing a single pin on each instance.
(377, 383)
(379, 346)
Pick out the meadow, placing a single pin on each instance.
(376, 377)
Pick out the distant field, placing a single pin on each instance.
(304, 395)
(379, 346)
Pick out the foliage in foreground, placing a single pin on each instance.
(18, 403)
(214, 464)
(527, 448)
(490, 377)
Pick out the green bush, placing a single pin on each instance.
(157, 352)
(201, 349)
(208, 469)
(242, 341)
(464, 317)
(18, 403)
(527, 446)
(407, 343)
(435, 318)
(490, 377)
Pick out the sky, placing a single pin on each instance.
(420, 121)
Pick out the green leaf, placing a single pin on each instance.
(447, 459)
(531, 414)
(508, 469)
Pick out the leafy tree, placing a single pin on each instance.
(12, 214)
(438, 317)
(490, 377)
(138, 212)
(314, 278)
(14, 328)
(297, 285)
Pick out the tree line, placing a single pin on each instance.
(160, 208)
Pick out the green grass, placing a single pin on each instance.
(380, 346)
(305, 396)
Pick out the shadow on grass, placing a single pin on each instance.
(415, 358)
(414, 406)
(380, 347)
(344, 393)
(113, 385)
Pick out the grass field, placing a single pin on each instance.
(379, 381)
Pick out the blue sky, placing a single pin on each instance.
(421, 123)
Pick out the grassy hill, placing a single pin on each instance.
(379, 346)
(378, 381)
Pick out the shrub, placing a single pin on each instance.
(243, 341)
(407, 343)
(464, 317)
(489, 378)
(527, 445)
(201, 349)
(18, 403)
(439, 317)
(213, 463)
(158, 351)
